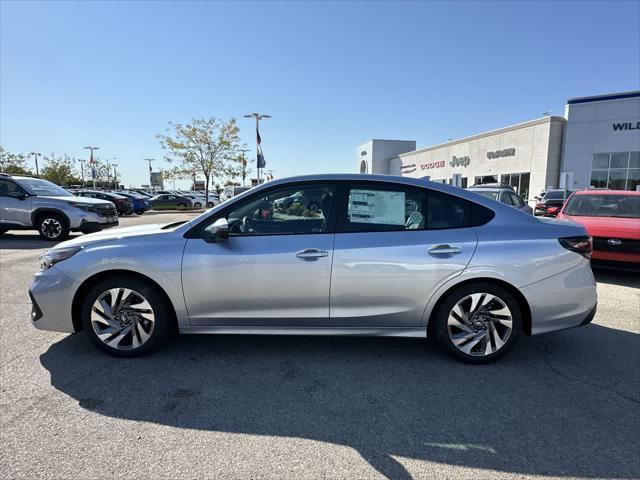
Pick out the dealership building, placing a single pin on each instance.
(596, 143)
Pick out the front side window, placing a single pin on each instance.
(288, 210)
(10, 189)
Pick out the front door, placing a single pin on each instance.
(394, 246)
(15, 204)
(275, 267)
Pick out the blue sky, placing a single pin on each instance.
(332, 75)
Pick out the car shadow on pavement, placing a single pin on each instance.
(27, 242)
(564, 404)
(617, 277)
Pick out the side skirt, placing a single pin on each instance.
(419, 332)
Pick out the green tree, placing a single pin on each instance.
(60, 170)
(205, 146)
(13, 163)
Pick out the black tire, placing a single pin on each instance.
(52, 227)
(182, 205)
(197, 205)
(210, 205)
(139, 212)
(163, 324)
(441, 319)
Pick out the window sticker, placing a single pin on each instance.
(375, 206)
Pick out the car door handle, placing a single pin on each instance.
(310, 253)
(445, 250)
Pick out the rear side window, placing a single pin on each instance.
(386, 207)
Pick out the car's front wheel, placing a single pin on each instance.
(126, 317)
(197, 205)
(478, 322)
(52, 227)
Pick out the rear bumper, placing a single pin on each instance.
(562, 301)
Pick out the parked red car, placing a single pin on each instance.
(612, 219)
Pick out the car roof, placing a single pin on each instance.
(607, 192)
(486, 189)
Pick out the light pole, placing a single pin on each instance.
(36, 155)
(244, 164)
(82, 170)
(149, 160)
(259, 157)
(115, 177)
(93, 164)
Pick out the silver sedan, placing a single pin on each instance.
(350, 255)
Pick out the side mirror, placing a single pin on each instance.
(218, 230)
(18, 195)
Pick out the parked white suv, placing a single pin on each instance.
(28, 203)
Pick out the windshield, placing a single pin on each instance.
(557, 194)
(43, 188)
(491, 195)
(623, 206)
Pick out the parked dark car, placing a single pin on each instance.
(552, 201)
(167, 200)
(140, 203)
(124, 206)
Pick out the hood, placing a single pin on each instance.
(86, 200)
(113, 234)
(608, 226)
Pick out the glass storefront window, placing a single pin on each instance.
(633, 180)
(620, 160)
(616, 171)
(600, 161)
(599, 178)
(519, 182)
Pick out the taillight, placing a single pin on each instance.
(581, 245)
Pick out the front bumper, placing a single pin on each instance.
(565, 300)
(51, 298)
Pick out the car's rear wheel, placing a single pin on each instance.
(125, 317)
(182, 205)
(210, 205)
(479, 322)
(52, 227)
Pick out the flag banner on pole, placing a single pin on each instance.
(259, 156)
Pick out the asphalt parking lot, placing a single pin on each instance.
(560, 405)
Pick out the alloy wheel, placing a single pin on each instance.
(480, 324)
(122, 318)
(51, 228)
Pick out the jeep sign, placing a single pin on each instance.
(459, 161)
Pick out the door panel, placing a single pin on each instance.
(386, 278)
(262, 280)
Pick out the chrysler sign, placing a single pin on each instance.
(507, 152)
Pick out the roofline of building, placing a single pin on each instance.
(604, 97)
(517, 126)
(384, 140)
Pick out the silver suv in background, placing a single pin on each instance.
(28, 203)
(503, 194)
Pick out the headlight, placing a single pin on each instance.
(81, 206)
(54, 256)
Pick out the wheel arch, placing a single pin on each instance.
(38, 212)
(522, 301)
(88, 284)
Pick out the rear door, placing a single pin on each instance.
(394, 246)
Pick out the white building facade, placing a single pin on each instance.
(602, 142)
(596, 144)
